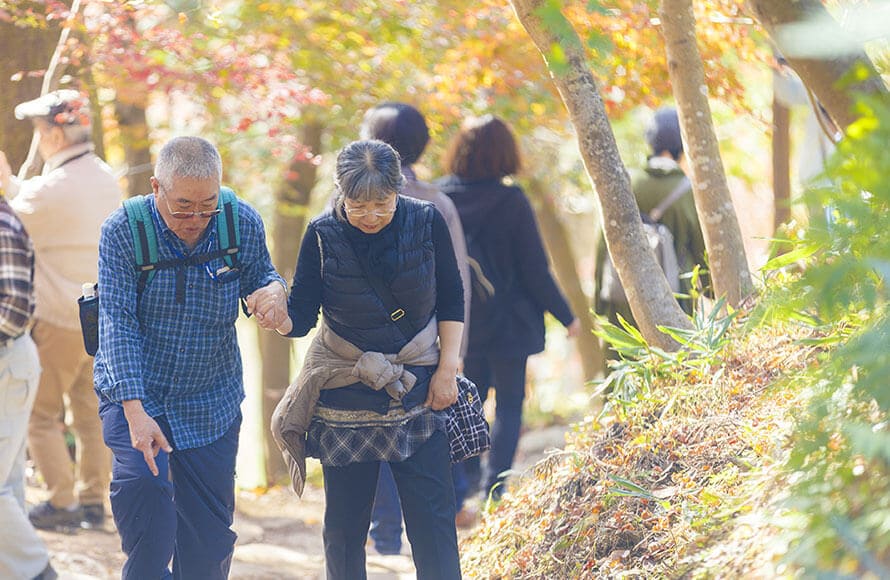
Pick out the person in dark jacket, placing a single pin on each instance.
(511, 279)
(376, 378)
(403, 127)
(651, 185)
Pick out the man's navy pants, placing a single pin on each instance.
(184, 514)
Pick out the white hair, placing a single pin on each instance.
(187, 157)
(77, 134)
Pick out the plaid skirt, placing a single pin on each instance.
(338, 437)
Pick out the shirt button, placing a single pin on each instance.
(182, 349)
(191, 285)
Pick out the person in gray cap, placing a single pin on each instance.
(662, 178)
(63, 210)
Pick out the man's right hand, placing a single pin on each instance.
(145, 434)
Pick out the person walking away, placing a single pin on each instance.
(63, 210)
(168, 369)
(376, 378)
(403, 128)
(22, 553)
(512, 283)
(657, 181)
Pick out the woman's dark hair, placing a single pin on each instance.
(483, 149)
(401, 126)
(366, 171)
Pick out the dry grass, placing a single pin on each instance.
(683, 484)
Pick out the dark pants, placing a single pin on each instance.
(507, 376)
(386, 517)
(194, 528)
(427, 496)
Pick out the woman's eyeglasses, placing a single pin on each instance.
(360, 213)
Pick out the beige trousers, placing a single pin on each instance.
(67, 378)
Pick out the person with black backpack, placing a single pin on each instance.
(512, 285)
(664, 195)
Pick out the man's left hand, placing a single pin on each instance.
(269, 305)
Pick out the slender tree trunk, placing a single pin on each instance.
(723, 237)
(34, 163)
(648, 292)
(820, 75)
(560, 249)
(134, 137)
(24, 50)
(95, 112)
(293, 198)
(781, 164)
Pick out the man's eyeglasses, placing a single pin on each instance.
(184, 215)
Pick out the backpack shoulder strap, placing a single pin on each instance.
(228, 228)
(675, 194)
(145, 239)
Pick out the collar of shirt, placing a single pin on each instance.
(66, 154)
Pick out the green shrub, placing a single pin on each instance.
(840, 462)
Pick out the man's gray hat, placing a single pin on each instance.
(62, 107)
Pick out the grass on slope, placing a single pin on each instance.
(683, 482)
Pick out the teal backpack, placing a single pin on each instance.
(145, 241)
(148, 262)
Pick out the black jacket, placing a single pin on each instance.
(502, 232)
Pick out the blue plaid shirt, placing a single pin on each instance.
(181, 360)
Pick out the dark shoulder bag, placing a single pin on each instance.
(468, 432)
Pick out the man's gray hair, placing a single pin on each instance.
(366, 171)
(187, 157)
(77, 134)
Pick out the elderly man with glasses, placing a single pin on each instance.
(168, 370)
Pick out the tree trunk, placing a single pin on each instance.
(564, 265)
(292, 206)
(24, 50)
(727, 264)
(650, 297)
(134, 136)
(781, 164)
(820, 75)
(33, 165)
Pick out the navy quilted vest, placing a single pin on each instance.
(351, 307)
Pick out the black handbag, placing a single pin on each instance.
(468, 431)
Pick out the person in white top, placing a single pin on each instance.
(63, 210)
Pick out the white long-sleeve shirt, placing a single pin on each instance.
(63, 211)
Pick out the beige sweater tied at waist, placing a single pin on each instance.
(333, 362)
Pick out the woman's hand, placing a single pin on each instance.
(443, 389)
(574, 329)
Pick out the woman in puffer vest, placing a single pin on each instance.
(381, 269)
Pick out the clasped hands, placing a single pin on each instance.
(269, 305)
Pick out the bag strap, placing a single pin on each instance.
(658, 212)
(228, 228)
(145, 239)
(396, 313)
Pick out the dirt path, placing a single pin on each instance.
(279, 536)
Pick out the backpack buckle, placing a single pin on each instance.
(396, 314)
